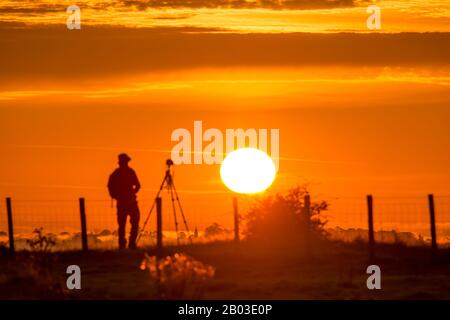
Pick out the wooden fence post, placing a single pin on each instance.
(84, 239)
(432, 226)
(371, 231)
(10, 226)
(236, 220)
(159, 233)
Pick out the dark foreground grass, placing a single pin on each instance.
(248, 271)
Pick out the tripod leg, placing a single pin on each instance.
(151, 209)
(174, 213)
(182, 212)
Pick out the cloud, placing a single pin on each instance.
(242, 4)
(38, 7)
(173, 17)
(55, 53)
(24, 7)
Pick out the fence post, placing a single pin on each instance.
(432, 226)
(10, 226)
(371, 231)
(159, 233)
(84, 239)
(236, 220)
(307, 208)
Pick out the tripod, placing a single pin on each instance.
(170, 185)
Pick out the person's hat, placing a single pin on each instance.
(124, 157)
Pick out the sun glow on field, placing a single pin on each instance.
(247, 170)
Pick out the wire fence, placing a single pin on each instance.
(60, 219)
(396, 219)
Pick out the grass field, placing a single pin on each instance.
(248, 271)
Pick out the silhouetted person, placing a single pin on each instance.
(123, 185)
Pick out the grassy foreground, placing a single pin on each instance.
(248, 271)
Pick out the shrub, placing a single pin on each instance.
(283, 218)
(178, 276)
(35, 271)
(40, 242)
(215, 230)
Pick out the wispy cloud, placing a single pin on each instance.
(275, 78)
(242, 4)
(42, 6)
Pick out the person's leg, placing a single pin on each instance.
(121, 221)
(134, 221)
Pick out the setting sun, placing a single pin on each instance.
(247, 170)
(224, 150)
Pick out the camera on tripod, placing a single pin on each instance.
(169, 184)
(169, 163)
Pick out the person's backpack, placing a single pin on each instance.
(112, 185)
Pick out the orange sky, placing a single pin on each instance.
(358, 112)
